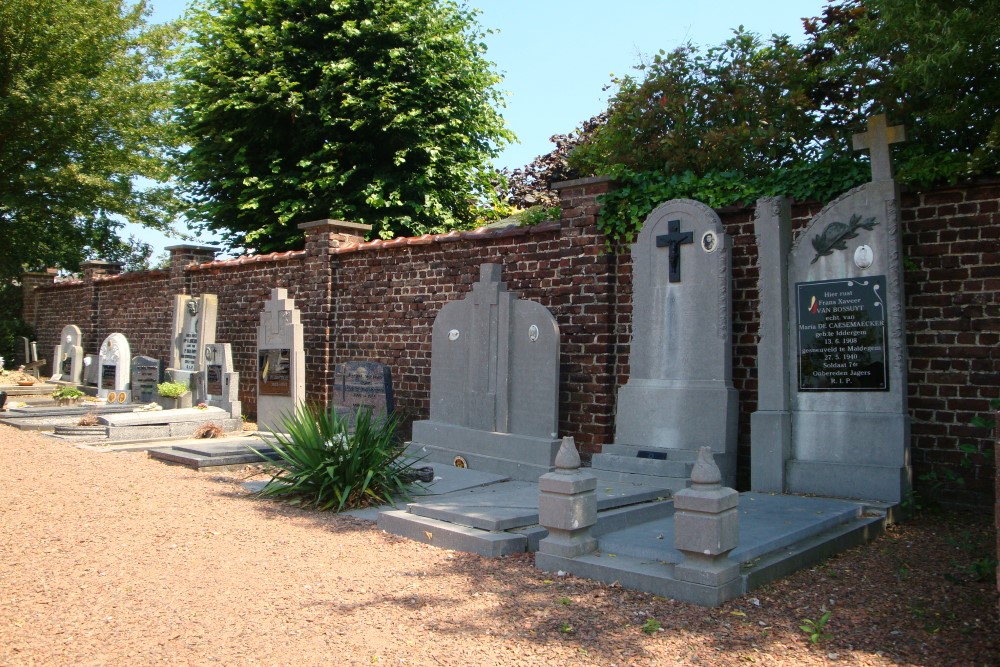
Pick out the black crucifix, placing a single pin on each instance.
(674, 239)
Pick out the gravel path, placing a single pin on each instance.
(116, 559)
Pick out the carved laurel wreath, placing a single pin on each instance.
(836, 234)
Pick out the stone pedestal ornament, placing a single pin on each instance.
(567, 505)
(706, 526)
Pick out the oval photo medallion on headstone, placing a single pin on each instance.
(533, 333)
(112, 398)
(121, 397)
(863, 256)
(453, 334)
(709, 242)
(460, 462)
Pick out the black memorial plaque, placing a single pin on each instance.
(213, 379)
(274, 372)
(108, 374)
(842, 335)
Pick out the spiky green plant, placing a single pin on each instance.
(328, 461)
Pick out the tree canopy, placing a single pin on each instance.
(84, 112)
(755, 117)
(375, 111)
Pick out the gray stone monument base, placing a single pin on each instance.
(519, 457)
(771, 447)
(868, 466)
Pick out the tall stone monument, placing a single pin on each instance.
(832, 417)
(194, 328)
(281, 361)
(494, 384)
(67, 360)
(114, 362)
(679, 396)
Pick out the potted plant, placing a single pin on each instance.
(173, 395)
(67, 395)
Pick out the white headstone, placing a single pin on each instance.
(281, 375)
(67, 360)
(114, 361)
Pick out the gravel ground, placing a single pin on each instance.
(117, 559)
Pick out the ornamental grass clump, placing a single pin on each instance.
(325, 463)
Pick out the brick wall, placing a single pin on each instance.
(378, 300)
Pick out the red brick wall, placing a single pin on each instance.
(378, 300)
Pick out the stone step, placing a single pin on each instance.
(671, 484)
(633, 451)
(641, 466)
(446, 535)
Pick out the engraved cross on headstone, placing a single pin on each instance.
(877, 139)
(674, 239)
(484, 350)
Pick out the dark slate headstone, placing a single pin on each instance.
(363, 384)
(145, 377)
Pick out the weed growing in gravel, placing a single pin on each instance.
(325, 463)
(651, 626)
(816, 629)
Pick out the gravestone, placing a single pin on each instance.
(217, 381)
(90, 370)
(145, 376)
(25, 352)
(193, 328)
(832, 416)
(358, 384)
(281, 366)
(494, 384)
(679, 396)
(114, 363)
(67, 360)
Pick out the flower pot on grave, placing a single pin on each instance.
(182, 401)
(62, 402)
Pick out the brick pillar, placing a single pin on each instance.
(181, 257)
(316, 299)
(29, 283)
(584, 300)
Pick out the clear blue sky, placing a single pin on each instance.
(556, 56)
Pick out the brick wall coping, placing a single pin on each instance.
(335, 224)
(133, 275)
(478, 234)
(250, 259)
(579, 182)
(191, 246)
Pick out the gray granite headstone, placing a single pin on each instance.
(67, 360)
(217, 381)
(832, 416)
(281, 374)
(679, 396)
(494, 383)
(114, 362)
(145, 376)
(193, 329)
(363, 384)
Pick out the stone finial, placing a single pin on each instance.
(705, 471)
(567, 458)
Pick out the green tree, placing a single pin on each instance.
(742, 106)
(84, 111)
(375, 111)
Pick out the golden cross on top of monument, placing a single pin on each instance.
(877, 139)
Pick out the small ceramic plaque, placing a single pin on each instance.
(863, 256)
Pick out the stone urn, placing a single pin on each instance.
(182, 401)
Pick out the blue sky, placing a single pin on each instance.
(556, 56)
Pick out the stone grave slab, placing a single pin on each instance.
(281, 367)
(210, 453)
(67, 360)
(832, 415)
(114, 375)
(494, 383)
(680, 394)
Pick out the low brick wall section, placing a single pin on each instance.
(377, 301)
